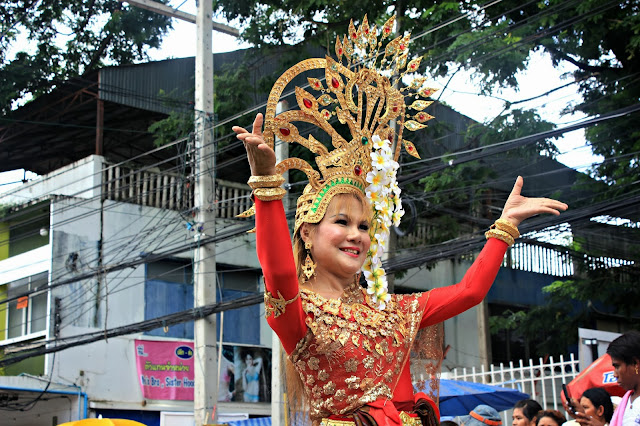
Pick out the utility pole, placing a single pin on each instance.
(205, 333)
(205, 395)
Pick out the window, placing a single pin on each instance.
(27, 315)
(169, 289)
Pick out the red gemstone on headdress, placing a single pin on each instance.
(354, 35)
(317, 84)
(387, 30)
(402, 47)
(413, 66)
(284, 131)
(307, 103)
(410, 148)
(357, 170)
(340, 51)
(395, 109)
(335, 83)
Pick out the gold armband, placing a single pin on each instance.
(269, 194)
(269, 181)
(506, 226)
(276, 306)
(501, 235)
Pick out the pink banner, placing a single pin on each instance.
(165, 369)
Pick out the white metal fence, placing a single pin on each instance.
(541, 379)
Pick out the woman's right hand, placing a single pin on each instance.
(570, 407)
(262, 159)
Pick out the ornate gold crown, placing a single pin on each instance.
(365, 95)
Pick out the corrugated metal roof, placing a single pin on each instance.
(169, 85)
(162, 86)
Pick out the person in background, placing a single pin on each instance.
(595, 408)
(482, 415)
(625, 358)
(524, 412)
(549, 418)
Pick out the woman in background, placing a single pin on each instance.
(549, 418)
(625, 358)
(597, 408)
(524, 412)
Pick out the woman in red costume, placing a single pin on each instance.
(348, 346)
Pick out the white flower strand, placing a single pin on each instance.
(384, 196)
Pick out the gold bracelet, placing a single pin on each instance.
(269, 181)
(506, 226)
(269, 194)
(500, 235)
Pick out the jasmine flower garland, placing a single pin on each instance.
(384, 196)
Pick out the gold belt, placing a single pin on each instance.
(405, 418)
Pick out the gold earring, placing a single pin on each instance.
(637, 369)
(309, 268)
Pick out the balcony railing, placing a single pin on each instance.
(175, 192)
(169, 191)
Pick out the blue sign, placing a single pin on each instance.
(184, 352)
(608, 377)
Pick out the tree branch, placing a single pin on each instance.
(581, 65)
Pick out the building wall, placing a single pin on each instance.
(81, 179)
(460, 332)
(4, 240)
(118, 233)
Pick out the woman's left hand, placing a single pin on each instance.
(586, 420)
(518, 207)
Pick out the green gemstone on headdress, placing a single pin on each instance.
(365, 140)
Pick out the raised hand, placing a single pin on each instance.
(518, 207)
(262, 159)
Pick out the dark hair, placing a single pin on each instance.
(529, 408)
(600, 397)
(626, 347)
(554, 414)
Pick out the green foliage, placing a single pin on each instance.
(176, 126)
(601, 41)
(5, 209)
(68, 39)
(509, 320)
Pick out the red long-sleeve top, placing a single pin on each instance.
(275, 254)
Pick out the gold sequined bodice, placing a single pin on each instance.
(353, 353)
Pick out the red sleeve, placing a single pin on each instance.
(275, 254)
(446, 302)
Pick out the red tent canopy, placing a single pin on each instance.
(599, 374)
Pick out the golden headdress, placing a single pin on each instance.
(364, 91)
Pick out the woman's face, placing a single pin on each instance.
(519, 419)
(341, 240)
(248, 359)
(591, 410)
(625, 374)
(547, 421)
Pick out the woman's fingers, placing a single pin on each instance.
(257, 124)
(517, 187)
